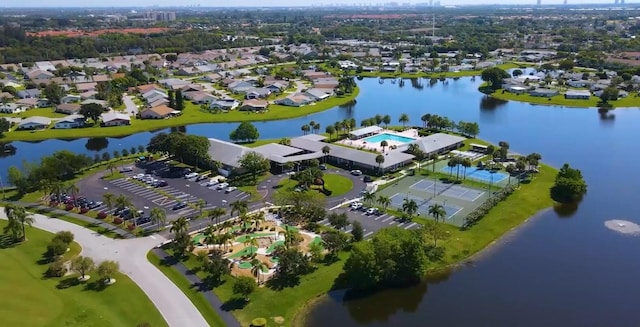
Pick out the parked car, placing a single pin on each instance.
(356, 172)
(190, 175)
(212, 182)
(162, 183)
(179, 206)
(126, 169)
(372, 211)
(138, 176)
(323, 167)
(356, 205)
(201, 178)
(230, 189)
(367, 179)
(222, 186)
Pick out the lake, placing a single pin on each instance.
(560, 269)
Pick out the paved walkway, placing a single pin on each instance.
(131, 107)
(131, 254)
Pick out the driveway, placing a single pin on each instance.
(131, 254)
(131, 108)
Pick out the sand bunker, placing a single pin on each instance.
(623, 226)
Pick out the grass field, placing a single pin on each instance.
(31, 300)
(559, 100)
(338, 185)
(190, 115)
(43, 112)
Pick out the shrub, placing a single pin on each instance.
(84, 210)
(117, 220)
(476, 215)
(56, 269)
(102, 215)
(259, 322)
(131, 226)
(56, 247)
(69, 207)
(54, 203)
(64, 236)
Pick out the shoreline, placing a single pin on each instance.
(630, 102)
(300, 317)
(188, 118)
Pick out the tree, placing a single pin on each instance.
(91, 110)
(107, 269)
(19, 180)
(335, 242)
(434, 231)
(17, 217)
(54, 93)
(368, 198)
(494, 76)
(338, 220)
(609, 94)
(5, 125)
(385, 144)
(257, 266)
(158, 216)
(404, 119)
(216, 267)
(56, 247)
(108, 199)
(305, 129)
(410, 207)
(244, 286)
(179, 105)
(329, 130)
(386, 120)
(357, 232)
(517, 72)
(380, 161)
(239, 206)
(64, 236)
(291, 264)
(180, 239)
(215, 214)
(172, 99)
(245, 132)
(384, 201)
(566, 64)
(254, 163)
(569, 185)
(437, 211)
(82, 265)
(326, 150)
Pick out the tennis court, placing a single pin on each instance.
(485, 176)
(423, 204)
(449, 190)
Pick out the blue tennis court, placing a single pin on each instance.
(423, 204)
(475, 173)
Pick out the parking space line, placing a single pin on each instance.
(387, 219)
(182, 196)
(380, 217)
(392, 222)
(239, 194)
(401, 224)
(367, 234)
(410, 226)
(245, 196)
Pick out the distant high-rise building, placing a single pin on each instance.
(565, 2)
(165, 16)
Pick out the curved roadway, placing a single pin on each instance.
(131, 254)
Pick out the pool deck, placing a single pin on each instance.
(363, 144)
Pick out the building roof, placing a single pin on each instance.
(35, 120)
(110, 116)
(161, 110)
(365, 130)
(436, 142)
(578, 92)
(68, 107)
(70, 119)
(226, 152)
(276, 149)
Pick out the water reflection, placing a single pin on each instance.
(7, 150)
(97, 144)
(566, 210)
(416, 83)
(606, 115)
(182, 129)
(491, 103)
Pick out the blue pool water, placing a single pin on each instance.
(480, 174)
(388, 137)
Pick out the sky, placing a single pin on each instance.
(250, 3)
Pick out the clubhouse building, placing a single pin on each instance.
(308, 147)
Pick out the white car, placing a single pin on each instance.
(191, 175)
(126, 169)
(356, 172)
(372, 211)
(230, 189)
(222, 186)
(212, 182)
(356, 205)
(138, 176)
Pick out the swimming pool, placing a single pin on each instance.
(388, 137)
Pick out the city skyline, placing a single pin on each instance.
(281, 3)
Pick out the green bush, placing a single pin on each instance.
(56, 269)
(476, 215)
(64, 236)
(259, 322)
(56, 247)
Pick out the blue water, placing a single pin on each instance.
(388, 137)
(479, 174)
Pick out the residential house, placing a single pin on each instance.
(34, 123)
(33, 103)
(199, 97)
(295, 100)
(28, 94)
(325, 83)
(70, 98)
(312, 74)
(159, 102)
(187, 71)
(88, 95)
(276, 87)
(39, 75)
(579, 83)
(173, 83)
(84, 87)
(317, 94)
(516, 89)
(546, 93)
(68, 108)
(257, 93)
(71, 121)
(6, 96)
(225, 104)
(159, 112)
(212, 78)
(12, 108)
(102, 103)
(240, 86)
(254, 105)
(191, 88)
(578, 94)
(115, 119)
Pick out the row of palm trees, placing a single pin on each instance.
(459, 162)
(409, 206)
(157, 215)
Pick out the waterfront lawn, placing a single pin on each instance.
(43, 112)
(338, 185)
(192, 114)
(464, 73)
(31, 300)
(559, 100)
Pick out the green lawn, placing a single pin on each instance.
(559, 100)
(338, 184)
(190, 115)
(31, 300)
(464, 73)
(44, 112)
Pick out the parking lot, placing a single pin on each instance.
(371, 223)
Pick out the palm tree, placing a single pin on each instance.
(384, 201)
(380, 161)
(433, 157)
(18, 217)
(239, 206)
(326, 150)
(386, 120)
(200, 204)
(216, 213)
(253, 242)
(511, 168)
(73, 191)
(305, 129)
(466, 163)
(437, 211)
(316, 128)
(338, 127)
(384, 144)
(368, 198)
(158, 216)
(404, 119)
(410, 207)
(209, 234)
(290, 237)
(179, 226)
(258, 218)
(424, 119)
(257, 266)
(111, 166)
(108, 199)
(451, 163)
(413, 148)
(123, 202)
(57, 188)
